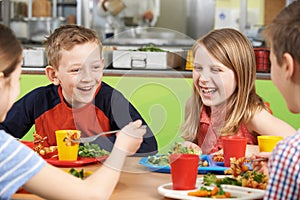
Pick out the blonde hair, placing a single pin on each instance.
(66, 37)
(234, 50)
(10, 51)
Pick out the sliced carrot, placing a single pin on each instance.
(227, 194)
(245, 168)
(219, 196)
(199, 193)
(214, 191)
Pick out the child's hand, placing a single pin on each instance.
(261, 166)
(130, 137)
(192, 145)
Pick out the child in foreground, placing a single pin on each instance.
(224, 102)
(283, 38)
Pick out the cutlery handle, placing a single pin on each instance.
(115, 131)
(108, 132)
(93, 138)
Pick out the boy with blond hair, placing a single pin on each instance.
(77, 97)
(22, 167)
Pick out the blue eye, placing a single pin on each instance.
(198, 68)
(97, 67)
(215, 69)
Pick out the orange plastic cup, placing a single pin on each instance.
(266, 143)
(184, 170)
(66, 152)
(233, 147)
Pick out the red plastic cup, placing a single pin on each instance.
(233, 147)
(184, 170)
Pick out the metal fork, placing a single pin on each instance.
(94, 137)
(251, 161)
(259, 159)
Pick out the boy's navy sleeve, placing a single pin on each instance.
(123, 110)
(120, 112)
(20, 118)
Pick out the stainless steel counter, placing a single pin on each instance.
(138, 42)
(142, 73)
(141, 36)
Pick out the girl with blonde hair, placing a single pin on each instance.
(224, 101)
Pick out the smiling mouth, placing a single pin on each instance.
(85, 89)
(208, 90)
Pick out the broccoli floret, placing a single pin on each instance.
(209, 179)
(258, 177)
(228, 181)
(179, 148)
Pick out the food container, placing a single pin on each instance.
(34, 57)
(147, 60)
(263, 63)
(41, 27)
(41, 8)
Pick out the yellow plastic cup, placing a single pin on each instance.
(266, 143)
(66, 151)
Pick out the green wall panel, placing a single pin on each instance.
(267, 90)
(161, 101)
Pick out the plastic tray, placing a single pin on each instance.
(212, 168)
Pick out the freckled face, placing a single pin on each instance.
(80, 73)
(214, 81)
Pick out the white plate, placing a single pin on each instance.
(236, 191)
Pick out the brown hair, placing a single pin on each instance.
(235, 51)
(66, 37)
(10, 50)
(283, 32)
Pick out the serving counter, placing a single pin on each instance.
(170, 73)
